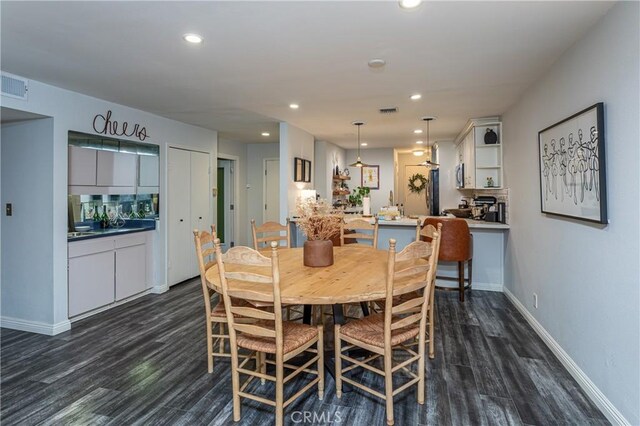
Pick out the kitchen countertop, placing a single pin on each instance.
(405, 221)
(130, 227)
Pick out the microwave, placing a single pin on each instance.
(460, 176)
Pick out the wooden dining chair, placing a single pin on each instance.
(248, 275)
(216, 316)
(426, 234)
(409, 273)
(359, 225)
(264, 234)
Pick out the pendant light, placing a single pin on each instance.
(429, 162)
(358, 162)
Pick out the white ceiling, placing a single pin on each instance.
(467, 59)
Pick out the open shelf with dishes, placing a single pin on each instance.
(340, 191)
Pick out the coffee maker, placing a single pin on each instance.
(484, 208)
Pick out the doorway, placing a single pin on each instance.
(225, 205)
(271, 190)
(414, 204)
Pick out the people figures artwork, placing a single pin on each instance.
(572, 166)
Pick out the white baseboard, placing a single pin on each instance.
(598, 398)
(159, 289)
(35, 326)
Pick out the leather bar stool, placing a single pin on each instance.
(456, 245)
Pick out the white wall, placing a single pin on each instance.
(294, 142)
(586, 276)
(74, 111)
(382, 157)
(327, 156)
(239, 150)
(27, 148)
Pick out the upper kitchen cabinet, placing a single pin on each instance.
(116, 169)
(479, 148)
(82, 166)
(100, 165)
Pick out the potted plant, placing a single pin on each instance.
(358, 195)
(319, 225)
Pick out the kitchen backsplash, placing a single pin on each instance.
(127, 206)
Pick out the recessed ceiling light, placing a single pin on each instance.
(266, 134)
(364, 144)
(294, 106)
(417, 131)
(409, 4)
(416, 97)
(419, 142)
(193, 38)
(377, 63)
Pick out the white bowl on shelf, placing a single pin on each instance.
(83, 228)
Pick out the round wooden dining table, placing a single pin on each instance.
(358, 274)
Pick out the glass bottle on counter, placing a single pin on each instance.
(104, 222)
(96, 214)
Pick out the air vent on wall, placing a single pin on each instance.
(391, 110)
(14, 86)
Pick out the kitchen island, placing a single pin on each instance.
(489, 240)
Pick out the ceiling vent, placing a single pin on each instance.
(391, 110)
(15, 87)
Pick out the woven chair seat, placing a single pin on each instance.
(295, 335)
(219, 312)
(370, 330)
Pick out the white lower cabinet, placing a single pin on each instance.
(106, 270)
(90, 282)
(131, 275)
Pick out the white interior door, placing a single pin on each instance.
(178, 173)
(200, 206)
(414, 204)
(271, 190)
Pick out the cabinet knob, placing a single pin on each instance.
(181, 220)
(200, 218)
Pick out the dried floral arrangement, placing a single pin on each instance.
(317, 219)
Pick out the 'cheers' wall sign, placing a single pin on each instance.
(103, 125)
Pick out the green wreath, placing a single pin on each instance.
(417, 183)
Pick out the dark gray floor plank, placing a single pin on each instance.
(145, 363)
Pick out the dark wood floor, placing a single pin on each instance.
(145, 363)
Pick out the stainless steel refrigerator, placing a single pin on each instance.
(433, 193)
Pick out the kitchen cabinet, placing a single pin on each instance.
(482, 162)
(131, 275)
(189, 204)
(90, 282)
(82, 166)
(116, 169)
(106, 270)
(148, 174)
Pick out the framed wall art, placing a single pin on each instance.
(572, 166)
(298, 169)
(307, 170)
(370, 177)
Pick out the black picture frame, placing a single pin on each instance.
(572, 167)
(307, 170)
(298, 169)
